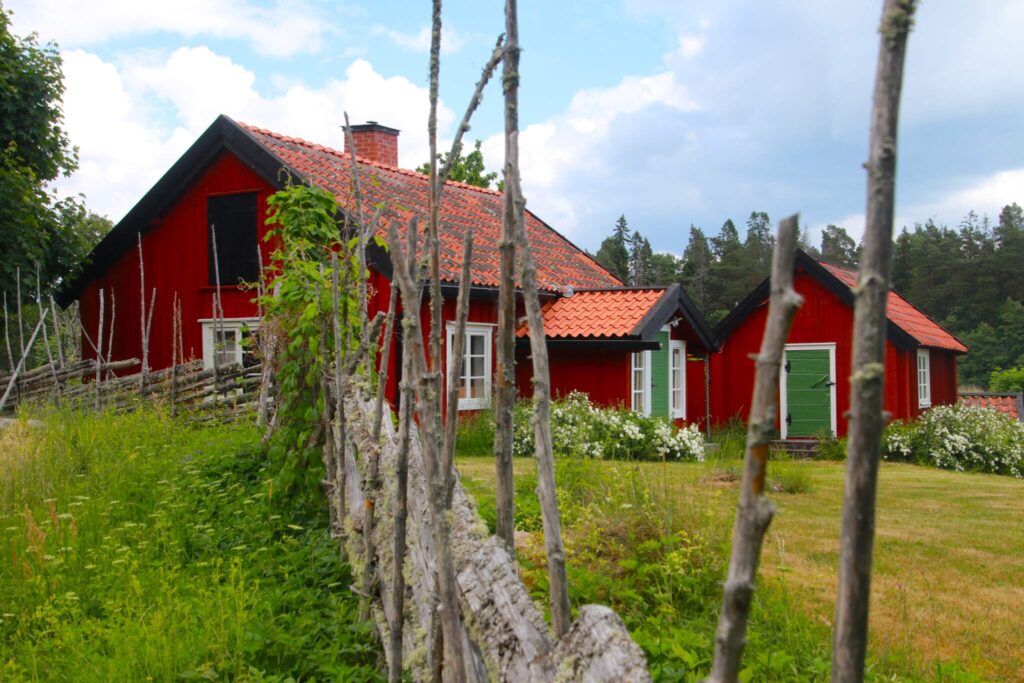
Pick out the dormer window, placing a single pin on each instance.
(233, 217)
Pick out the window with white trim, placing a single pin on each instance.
(924, 379)
(229, 342)
(677, 378)
(475, 378)
(640, 382)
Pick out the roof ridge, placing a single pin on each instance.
(362, 160)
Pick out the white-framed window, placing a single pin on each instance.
(476, 376)
(924, 379)
(227, 341)
(640, 382)
(677, 379)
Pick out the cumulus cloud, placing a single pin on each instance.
(277, 29)
(451, 41)
(132, 120)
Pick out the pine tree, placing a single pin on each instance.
(697, 265)
(838, 247)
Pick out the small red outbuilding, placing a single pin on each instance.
(814, 395)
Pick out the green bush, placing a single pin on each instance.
(1007, 380)
(580, 429)
(831, 448)
(960, 437)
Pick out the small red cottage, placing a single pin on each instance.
(224, 180)
(646, 349)
(920, 356)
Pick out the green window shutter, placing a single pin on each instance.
(659, 377)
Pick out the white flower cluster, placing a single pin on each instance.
(960, 438)
(580, 429)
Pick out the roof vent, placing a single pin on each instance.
(568, 291)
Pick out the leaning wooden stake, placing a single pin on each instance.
(7, 335)
(110, 337)
(46, 341)
(543, 450)
(456, 370)
(21, 363)
(56, 333)
(173, 384)
(99, 356)
(869, 332)
(755, 511)
(21, 322)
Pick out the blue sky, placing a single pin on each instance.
(671, 113)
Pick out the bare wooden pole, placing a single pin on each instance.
(755, 511)
(99, 355)
(456, 368)
(867, 420)
(21, 323)
(340, 469)
(56, 332)
(142, 313)
(558, 581)
(427, 404)
(46, 339)
(21, 363)
(174, 351)
(7, 335)
(505, 380)
(110, 337)
(433, 204)
(363, 234)
(218, 312)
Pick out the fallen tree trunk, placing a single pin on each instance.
(504, 634)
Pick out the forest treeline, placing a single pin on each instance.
(969, 278)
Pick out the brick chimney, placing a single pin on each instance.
(375, 143)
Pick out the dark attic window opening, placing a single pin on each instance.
(234, 218)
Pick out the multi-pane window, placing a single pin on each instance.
(232, 220)
(475, 375)
(924, 379)
(640, 397)
(677, 378)
(229, 342)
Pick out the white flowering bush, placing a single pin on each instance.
(583, 430)
(961, 438)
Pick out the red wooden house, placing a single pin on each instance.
(920, 356)
(225, 178)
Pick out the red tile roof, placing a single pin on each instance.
(559, 262)
(600, 314)
(1007, 404)
(905, 316)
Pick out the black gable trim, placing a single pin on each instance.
(222, 135)
(761, 293)
(674, 300)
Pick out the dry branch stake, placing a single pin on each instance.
(543, 449)
(21, 363)
(869, 330)
(755, 511)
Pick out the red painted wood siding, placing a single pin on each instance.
(176, 255)
(822, 319)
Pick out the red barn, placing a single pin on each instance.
(920, 356)
(224, 180)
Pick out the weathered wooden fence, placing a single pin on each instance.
(205, 394)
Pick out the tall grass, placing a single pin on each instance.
(138, 548)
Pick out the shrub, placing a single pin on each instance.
(1007, 380)
(582, 430)
(790, 479)
(831, 448)
(961, 438)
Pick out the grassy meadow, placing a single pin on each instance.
(138, 548)
(651, 539)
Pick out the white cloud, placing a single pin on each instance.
(118, 114)
(278, 29)
(451, 41)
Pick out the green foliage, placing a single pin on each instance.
(469, 168)
(961, 438)
(731, 439)
(789, 478)
(139, 548)
(1008, 380)
(36, 228)
(476, 434)
(299, 309)
(838, 247)
(614, 256)
(831, 448)
(580, 429)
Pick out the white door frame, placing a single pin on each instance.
(824, 346)
(681, 345)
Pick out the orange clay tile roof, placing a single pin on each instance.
(404, 193)
(599, 314)
(905, 316)
(1007, 404)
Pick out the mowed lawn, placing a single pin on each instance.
(949, 555)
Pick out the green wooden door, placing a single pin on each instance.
(808, 392)
(659, 377)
